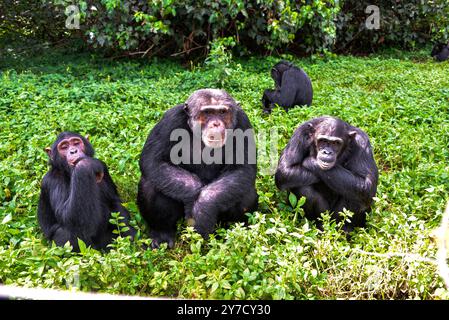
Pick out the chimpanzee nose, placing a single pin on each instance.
(327, 152)
(73, 151)
(216, 124)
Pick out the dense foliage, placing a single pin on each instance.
(401, 102)
(186, 27)
(406, 24)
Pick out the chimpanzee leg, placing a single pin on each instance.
(357, 220)
(237, 213)
(62, 235)
(315, 204)
(161, 214)
(267, 101)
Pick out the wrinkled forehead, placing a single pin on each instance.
(66, 137)
(331, 128)
(211, 97)
(214, 107)
(70, 140)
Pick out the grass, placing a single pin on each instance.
(401, 100)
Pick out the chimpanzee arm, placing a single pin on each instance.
(290, 173)
(171, 180)
(110, 193)
(83, 209)
(349, 184)
(266, 100)
(226, 192)
(45, 213)
(228, 189)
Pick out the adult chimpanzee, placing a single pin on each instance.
(292, 87)
(440, 51)
(185, 182)
(330, 163)
(78, 195)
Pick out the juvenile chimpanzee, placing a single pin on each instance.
(330, 163)
(78, 195)
(292, 87)
(440, 51)
(211, 178)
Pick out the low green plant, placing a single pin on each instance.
(399, 99)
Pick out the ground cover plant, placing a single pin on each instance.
(400, 100)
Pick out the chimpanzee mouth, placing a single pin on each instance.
(74, 162)
(325, 165)
(215, 140)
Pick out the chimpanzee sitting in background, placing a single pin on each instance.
(331, 164)
(292, 87)
(440, 51)
(78, 196)
(186, 182)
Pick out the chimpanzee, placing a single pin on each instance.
(78, 196)
(440, 51)
(292, 87)
(186, 182)
(331, 164)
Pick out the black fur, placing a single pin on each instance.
(350, 184)
(73, 205)
(293, 87)
(440, 51)
(208, 193)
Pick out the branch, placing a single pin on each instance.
(442, 240)
(407, 256)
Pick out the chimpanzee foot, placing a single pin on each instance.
(160, 237)
(266, 111)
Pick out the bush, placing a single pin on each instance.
(406, 24)
(187, 27)
(30, 19)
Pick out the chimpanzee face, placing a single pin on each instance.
(68, 148)
(328, 148)
(71, 149)
(211, 113)
(331, 138)
(277, 71)
(214, 120)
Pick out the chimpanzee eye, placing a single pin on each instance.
(222, 111)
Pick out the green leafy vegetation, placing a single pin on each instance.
(400, 100)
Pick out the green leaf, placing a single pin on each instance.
(293, 200)
(82, 246)
(7, 218)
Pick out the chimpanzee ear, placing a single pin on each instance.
(311, 127)
(48, 151)
(352, 134)
(87, 137)
(310, 130)
(186, 108)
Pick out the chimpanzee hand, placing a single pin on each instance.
(205, 218)
(92, 165)
(311, 164)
